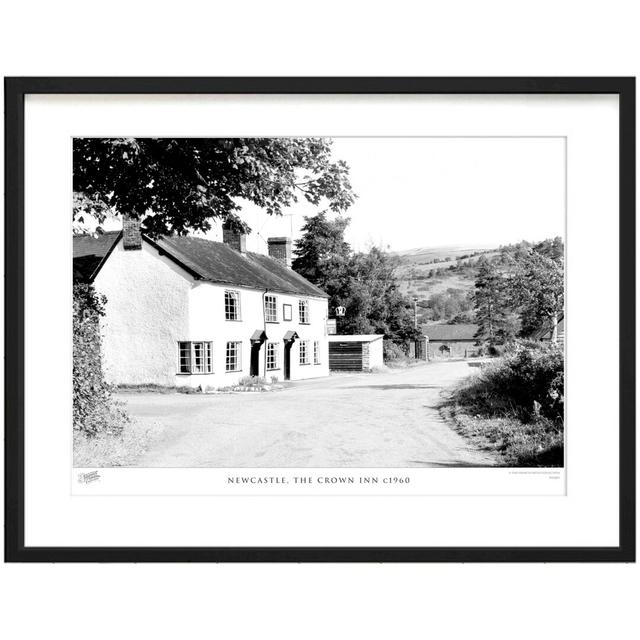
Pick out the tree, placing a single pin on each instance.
(552, 248)
(322, 250)
(181, 184)
(494, 315)
(530, 298)
(538, 288)
(373, 300)
(364, 282)
(451, 304)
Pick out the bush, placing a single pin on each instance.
(392, 351)
(516, 406)
(496, 350)
(253, 381)
(94, 409)
(527, 380)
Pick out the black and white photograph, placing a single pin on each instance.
(320, 319)
(319, 302)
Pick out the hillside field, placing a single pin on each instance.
(429, 271)
(426, 255)
(443, 278)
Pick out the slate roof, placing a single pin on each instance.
(218, 262)
(89, 253)
(205, 260)
(443, 332)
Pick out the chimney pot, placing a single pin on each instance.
(131, 234)
(280, 249)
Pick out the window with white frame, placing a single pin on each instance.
(271, 309)
(234, 356)
(194, 357)
(303, 309)
(272, 355)
(231, 305)
(316, 352)
(304, 352)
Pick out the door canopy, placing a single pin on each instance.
(258, 336)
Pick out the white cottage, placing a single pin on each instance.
(187, 311)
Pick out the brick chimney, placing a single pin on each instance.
(131, 235)
(234, 237)
(280, 249)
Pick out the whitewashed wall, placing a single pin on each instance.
(147, 309)
(207, 322)
(376, 354)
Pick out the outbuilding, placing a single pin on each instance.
(545, 333)
(356, 352)
(451, 340)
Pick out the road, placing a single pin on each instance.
(347, 420)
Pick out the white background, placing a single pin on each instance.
(329, 38)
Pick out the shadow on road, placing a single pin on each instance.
(433, 463)
(388, 387)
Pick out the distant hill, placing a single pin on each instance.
(443, 278)
(424, 255)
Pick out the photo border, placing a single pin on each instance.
(15, 91)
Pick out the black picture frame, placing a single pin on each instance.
(15, 91)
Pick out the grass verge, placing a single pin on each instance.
(113, 449)
(538, 443)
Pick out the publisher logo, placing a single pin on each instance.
(86, 478)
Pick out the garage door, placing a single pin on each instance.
(345, 356)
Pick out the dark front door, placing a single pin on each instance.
(287, 360)
(255, 359)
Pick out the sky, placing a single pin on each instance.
(430, 192)
(438, 192)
